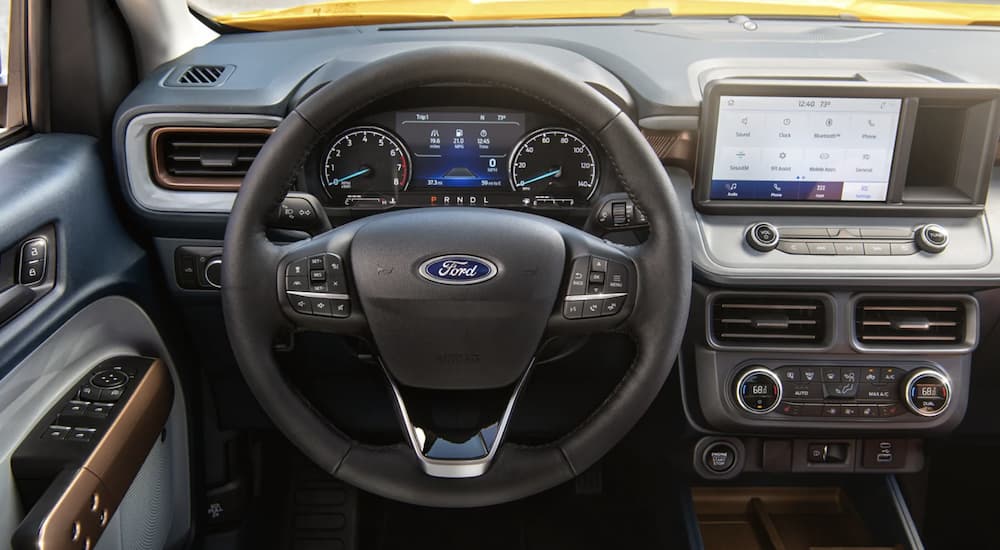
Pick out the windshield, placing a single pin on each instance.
(292, 14)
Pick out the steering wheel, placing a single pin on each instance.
(456, 300)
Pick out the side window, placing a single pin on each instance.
(12, 97)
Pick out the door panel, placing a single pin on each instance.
(101, 291)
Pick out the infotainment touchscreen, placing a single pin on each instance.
(804, 148)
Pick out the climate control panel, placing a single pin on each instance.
(843, 392)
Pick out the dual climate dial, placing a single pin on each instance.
(550, 161)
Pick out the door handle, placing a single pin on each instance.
(13, 300)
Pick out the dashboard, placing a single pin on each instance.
(841, 208)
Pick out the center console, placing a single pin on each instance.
(836, 220)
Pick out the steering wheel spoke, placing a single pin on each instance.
(600, 287)
(455, 451)
(314, 287)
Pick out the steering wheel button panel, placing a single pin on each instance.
(604, 285)
(321, 289)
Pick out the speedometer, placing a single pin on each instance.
(366, 159)
(556, 163)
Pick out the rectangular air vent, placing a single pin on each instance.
(768, 320)
(205, 159)
(201, 76)
(910, 322)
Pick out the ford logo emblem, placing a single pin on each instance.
(458, 270)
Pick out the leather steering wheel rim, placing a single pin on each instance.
(251, 300)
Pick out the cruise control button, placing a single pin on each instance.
(298, 268)
(319, 287)
(613, 305)
(301, 304)
(337, 283)
(593, 308)
(317, 275)
(341, 308)
(573, 310)
(317, 262)
(333, 263)
(578, 277)
(617, 278)
(321, 307)
(299, 284)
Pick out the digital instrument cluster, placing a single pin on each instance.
(473, 158)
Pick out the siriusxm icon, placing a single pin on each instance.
(458, 270)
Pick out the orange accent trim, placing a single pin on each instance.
(163, 178)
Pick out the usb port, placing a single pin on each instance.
(883, 458)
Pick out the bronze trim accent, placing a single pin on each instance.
(159, 166)
(110, 469)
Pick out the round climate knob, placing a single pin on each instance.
(932, 238)
(758, 390)
(762, 237)
(928, 392)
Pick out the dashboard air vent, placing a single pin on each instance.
(768, 320)
(206, 159)
(901, 322)
(202, 76)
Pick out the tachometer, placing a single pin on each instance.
(366, 159)
(556, 163)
